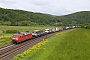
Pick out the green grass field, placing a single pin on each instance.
(67, 45)
(6, 38)
(23, 28)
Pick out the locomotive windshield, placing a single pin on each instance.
(15, 36)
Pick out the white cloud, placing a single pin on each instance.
(55, 7)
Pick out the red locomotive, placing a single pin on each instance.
(21, 36)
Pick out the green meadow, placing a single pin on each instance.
(24, 28)
(72, 44)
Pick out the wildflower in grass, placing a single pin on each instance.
(57, 34)
(34, 48)
(46, 41)
(45, 56)
(16, 58)
(19, 55)
(0, 43)
(29, 51)
(25, 52)
(44, 48)
(22, 56)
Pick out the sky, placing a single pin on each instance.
(53, 7)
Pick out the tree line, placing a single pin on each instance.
(12, 17)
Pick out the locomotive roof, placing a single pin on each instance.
(18, 34)
(22, 33)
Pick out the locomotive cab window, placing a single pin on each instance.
(15, 36)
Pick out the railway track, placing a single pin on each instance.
(9, 51)
(5, 46)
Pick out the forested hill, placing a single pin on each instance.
(20, 17)
(26, 18)
(82, 17)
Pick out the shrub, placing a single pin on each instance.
(11, 31)
(88, 27)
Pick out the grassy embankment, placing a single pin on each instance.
(6, 38)
(68, 45)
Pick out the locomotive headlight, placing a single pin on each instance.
(16, 38)
(13, 38)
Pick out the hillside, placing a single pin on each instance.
(13, 17)
(20, 17)
(82, 17)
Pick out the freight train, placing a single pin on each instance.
(22, 36)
